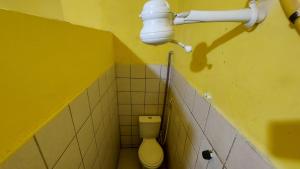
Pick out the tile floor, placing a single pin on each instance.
(129, 159)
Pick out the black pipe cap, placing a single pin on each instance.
(207, 154)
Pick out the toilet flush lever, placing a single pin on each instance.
(207, 154)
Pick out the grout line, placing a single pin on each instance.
(206, 119)
(201, 128)
(229, 150)
(76, 138)
(63, 152)
(40, 150)
(92, 121)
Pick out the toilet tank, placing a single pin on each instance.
(149, 126)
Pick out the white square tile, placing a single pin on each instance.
(137, 98)
(80, 109)
(124, 109)
(151, 109)
(94, 94)
(27, 157)
(97, 115)
(124, 98)
(215, 163)
(134, 120)
(123, 70)
(152, 85)
(125, 120)
(161, 98)
(151, 98)
(138, 71)
(85, 136)
(90, 157)
(222, 135)
(58, 132)
(163, 72)
(71, 158)
(138, 109)
(125, 140)
(135, 130)
(244, 156)
(153, 71)
(123, 84)
(125, 130)
(200, 110)
(138, 85)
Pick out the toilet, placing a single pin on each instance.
(150, 152)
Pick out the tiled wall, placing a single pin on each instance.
(196, 126)
(140, 92)
(85, 135)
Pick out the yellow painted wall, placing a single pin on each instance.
(44, 64)
(119, 17)
(253, 77)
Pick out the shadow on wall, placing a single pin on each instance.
(199, 56)
(284, 139)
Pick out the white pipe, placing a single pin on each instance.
(243, 15)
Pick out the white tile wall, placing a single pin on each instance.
(153, 71)
(196, 126)
(200, 110)
(27, 157)
(244, 156)
(138, 109)
(151, 110)
(124, 98)
(125, 109)
(138, 71)
(152, 85)
(71, 157)
(94, 94)
(125, 130)
(80, 110)
(57, 145)
(90, 157)
(151, 98)
(139, 93)
(123, 84)
(86, 136)
(138, 97)
(215, 163)
(61, 132)
(222, 135)
(123, 70)
(138, 85)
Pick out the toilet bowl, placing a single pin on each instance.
(150, 152)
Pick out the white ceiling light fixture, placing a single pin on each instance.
(158, 20)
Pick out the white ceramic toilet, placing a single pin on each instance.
(150, 153)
